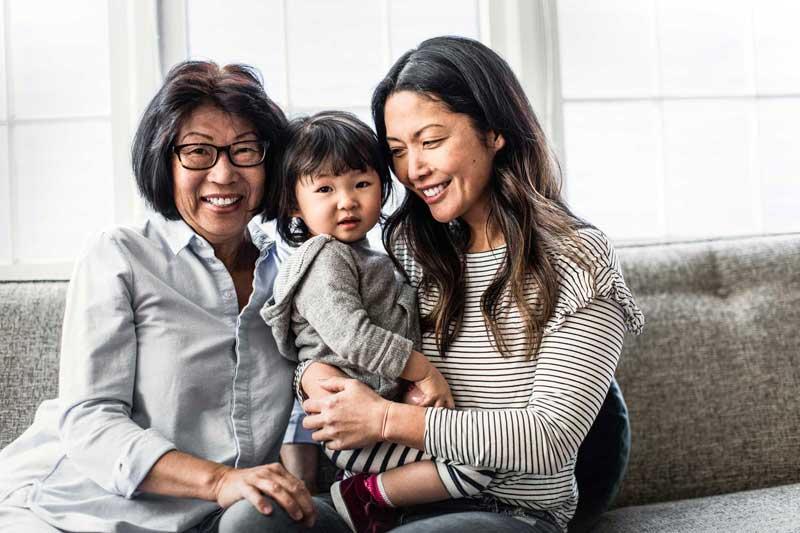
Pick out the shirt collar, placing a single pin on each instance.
(179, 234)
(259, 237)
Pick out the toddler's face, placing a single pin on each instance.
(346, 206)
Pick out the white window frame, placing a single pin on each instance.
(133, 37)
(525, 33)
(147, 36)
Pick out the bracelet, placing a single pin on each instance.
(385, 418)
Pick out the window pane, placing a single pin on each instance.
(778, 131)
(65, 190)
(777, 45)
(708, 149)
(5, 199)
(59, 58)
(254, 36)
(413, 21)
(3, 83)
(335, 52)
(613, 166)
(607, 48)
(706, 47)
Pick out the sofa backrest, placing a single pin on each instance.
(713, 383)
(30, 332)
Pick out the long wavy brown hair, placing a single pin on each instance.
(525, 198)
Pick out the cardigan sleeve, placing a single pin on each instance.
(329, 299)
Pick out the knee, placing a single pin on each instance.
(242, 517)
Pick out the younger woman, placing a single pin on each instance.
(523, 305)
(337, 301)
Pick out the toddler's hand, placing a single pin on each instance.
(413, 396)
(434, 390)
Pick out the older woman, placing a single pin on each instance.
(524, 306)
(172, 397)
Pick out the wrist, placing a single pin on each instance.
(385, 420)
(405, 424)
(213, 486)
(417, 368)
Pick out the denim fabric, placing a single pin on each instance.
(295, 432)
(475, 515)
(463, 516)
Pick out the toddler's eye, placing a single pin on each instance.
(362, 184)
(324, 188)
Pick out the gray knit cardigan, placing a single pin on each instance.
(345, 305)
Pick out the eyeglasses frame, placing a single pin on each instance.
(220, 149)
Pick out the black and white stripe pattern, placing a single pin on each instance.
(525, 419)
(520, 422)
(461, 481)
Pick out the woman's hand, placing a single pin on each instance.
(234, 484)
(351, 416)
(435, 390)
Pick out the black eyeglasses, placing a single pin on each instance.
(201, 156)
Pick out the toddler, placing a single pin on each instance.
(339, 302)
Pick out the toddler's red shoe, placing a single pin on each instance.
(362, 512)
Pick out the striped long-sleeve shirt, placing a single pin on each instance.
(525, 419)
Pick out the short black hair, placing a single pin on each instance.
(329, 142)
(235, 89)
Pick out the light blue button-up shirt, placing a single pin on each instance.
(155, 356)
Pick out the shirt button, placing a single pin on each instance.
(228, 295)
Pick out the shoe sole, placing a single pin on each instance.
(341, 508)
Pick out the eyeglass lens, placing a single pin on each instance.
(201, 156)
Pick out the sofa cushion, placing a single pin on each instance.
(30, 319)
(712, 383)
(602, 460)
(775, 510)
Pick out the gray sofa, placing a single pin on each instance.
(712, 386)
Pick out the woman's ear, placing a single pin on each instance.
(496, 140)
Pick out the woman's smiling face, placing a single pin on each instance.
(217, 202)
(441, 157)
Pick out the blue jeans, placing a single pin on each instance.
(242, 517)
(461, 516)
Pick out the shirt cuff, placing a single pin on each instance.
(395, 357)
(136, 460)
(298, 377)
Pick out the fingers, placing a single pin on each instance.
(334, 384)
(316, 423)
(442, 401)
(313, 422)
(257, 499)
(312, 406)
(287, 491)
(449, 402)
